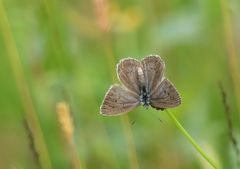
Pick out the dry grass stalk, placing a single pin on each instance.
(233, 62)
(65, 120)
(228, 114)
(101, 9)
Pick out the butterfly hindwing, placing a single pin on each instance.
(118, 100)
(165, 96)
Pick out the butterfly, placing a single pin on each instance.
(143, 83)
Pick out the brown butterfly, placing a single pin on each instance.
(143, 83)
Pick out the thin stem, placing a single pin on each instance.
(233, 62)
(133, 159)
(23, 89)
(132, 153)
(77, 164)
(191, 140)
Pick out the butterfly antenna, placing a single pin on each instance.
(133, 122)
(134, 118)
(159, 119)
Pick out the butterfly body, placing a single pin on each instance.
(144, 97)
(143, 83)
(144, 93)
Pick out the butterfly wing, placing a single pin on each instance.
(165, 96)
(118, 100)
(153, 67)
(127, 71)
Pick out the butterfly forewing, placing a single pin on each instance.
(118, 100)
(128, 75)
(153, 67)
(165, 96)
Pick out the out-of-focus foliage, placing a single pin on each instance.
(68, 51)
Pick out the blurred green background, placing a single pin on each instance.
(53, 51)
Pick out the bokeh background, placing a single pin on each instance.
(64, 53)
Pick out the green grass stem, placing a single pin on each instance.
(191, 140)
(24, 92)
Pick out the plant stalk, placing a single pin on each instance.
(23, 89)
(191, 140)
